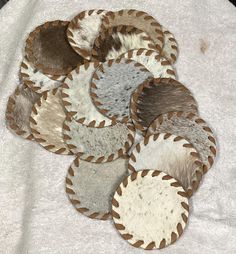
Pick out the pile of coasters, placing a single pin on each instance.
(103, 88)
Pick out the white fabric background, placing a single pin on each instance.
(35, 214)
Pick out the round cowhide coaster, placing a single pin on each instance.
(158, 96)
(76, 97)
(171, 154)
(138, 19)
(112, 85)
(150, 209)
(36, 80)
(170, 49)
(154, 62)
(98, 144)
(114, 41)
(46, 122)
(83, 29)
(19, 109)
(47, 48)
(191, 127)
(91, 186)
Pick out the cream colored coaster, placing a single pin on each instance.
(83, 29)
(154, 62)
(150, 209)
(191, 127)
(76, 97)
(91, 186)
(98, 144)
(170, 49)
(171, 154)
(138, 19)
(36, 80)
(19, 109)
(46, 122)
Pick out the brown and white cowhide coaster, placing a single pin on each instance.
(83, 30)
(150, 209)
(158, 96)
(91, 186)
(138, 19)
(46, 122)
(112, 85)
(98, 144)
(191, 127)
(114, 41)
(19, 109)
(48, 50)
(171, 154)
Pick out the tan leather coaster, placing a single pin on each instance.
(171, 154)
(91, 186)
(138, 19)
(47, 48)
(19, 109)
(114, 41)
(158, 96)
(150, 209)
(46, 122)
(83, 30)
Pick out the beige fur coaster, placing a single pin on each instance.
(46, 122)
(47, 48)
(138, 19)
(114, 41)
(19, 109)
(191, 127)
(91, 186)
(150, 209)
(171, 154)
(83, 30)
(158, 96)
(98, 144)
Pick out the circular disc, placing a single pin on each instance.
(171, 154)
(48, 50)
(91, 186)
(76, 97)
(138, 19)
(98, 144)
(191, 127)
(154, 62)
(83, 29)
(158, 96)
(117, 40)
(150, 209)
(46, 122)
(112, 85)
(19, 109)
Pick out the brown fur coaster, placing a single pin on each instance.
(158, 96)
(191, 127)
(138, 19)
(19, 109)
(114, 41)
(48, 50)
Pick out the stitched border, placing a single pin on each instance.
(90, 158)
(198, 173)
(149, 21)
(138, 91)
(93, 87)
(74, 24)
(116, 216)
(33, 125)
(192, 117)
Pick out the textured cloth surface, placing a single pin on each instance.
(35, 213)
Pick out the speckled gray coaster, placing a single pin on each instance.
(112, 85)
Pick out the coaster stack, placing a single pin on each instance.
(102, 87)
